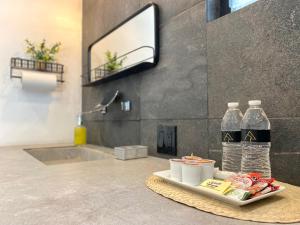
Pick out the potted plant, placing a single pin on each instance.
(113, 63)
(41, 53)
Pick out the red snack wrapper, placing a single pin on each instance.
(257, 187)
(266, 180)
(244, 181)
(254, 176)
(261, 184)
(268, 189)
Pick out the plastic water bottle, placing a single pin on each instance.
(256, 140)
(231, 138)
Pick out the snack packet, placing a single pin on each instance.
(257, 187)
(254, 176)
(239, 194)
(261, 184)
(223, 175)
(268, 189)
(244, 181)
(217, 185)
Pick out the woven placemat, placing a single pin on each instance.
(281, 208)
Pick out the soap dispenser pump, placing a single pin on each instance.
(79, 132)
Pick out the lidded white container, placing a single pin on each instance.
(176, 169)
(195, 172)
(131, 152)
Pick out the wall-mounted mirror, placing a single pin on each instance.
(131, 47)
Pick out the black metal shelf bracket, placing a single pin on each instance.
(33, 65)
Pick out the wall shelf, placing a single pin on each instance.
(33, 65)
(101, 74)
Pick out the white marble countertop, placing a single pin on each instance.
(102, 192)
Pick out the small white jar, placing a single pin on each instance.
(191, 173)
(207, 169)
(176, 169)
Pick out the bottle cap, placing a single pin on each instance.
(79, 120)
(254, 102)
(233, 104)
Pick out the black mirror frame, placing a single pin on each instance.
(137, 68)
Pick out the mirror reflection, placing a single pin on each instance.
(129, 45)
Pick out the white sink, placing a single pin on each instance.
(60, 155)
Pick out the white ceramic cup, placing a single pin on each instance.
(191, 173)
(207, 170)
(176, 170)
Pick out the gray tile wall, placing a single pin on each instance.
(250, 54)
(254, 53)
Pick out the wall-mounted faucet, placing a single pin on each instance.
(108, 99)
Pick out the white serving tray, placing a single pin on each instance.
(206, 191)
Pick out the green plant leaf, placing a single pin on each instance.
(41, 52)
(113, 63)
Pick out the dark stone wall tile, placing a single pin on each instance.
(93, 21)
(171, 8)
(116, 11)
(93, 132)
(177, 87)
(285, 135)
(90, 97)
(119, 133)
(214, 133)
(101, 16)
(254, 54)
(286, 167)
(191, 136)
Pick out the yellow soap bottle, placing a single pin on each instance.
(80, 133)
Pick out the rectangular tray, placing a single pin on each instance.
(206, 191)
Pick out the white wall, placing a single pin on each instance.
(30, 118)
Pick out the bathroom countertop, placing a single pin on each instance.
(102, 192)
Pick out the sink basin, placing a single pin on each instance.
(61, 155)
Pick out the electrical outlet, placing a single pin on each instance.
(167, 140)
(126, 106)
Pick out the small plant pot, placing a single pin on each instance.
(40, 65)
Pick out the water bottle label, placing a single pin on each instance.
(231, 136)
(256, 135)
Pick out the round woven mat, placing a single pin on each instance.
(281, 208)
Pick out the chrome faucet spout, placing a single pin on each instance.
(106, 102)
